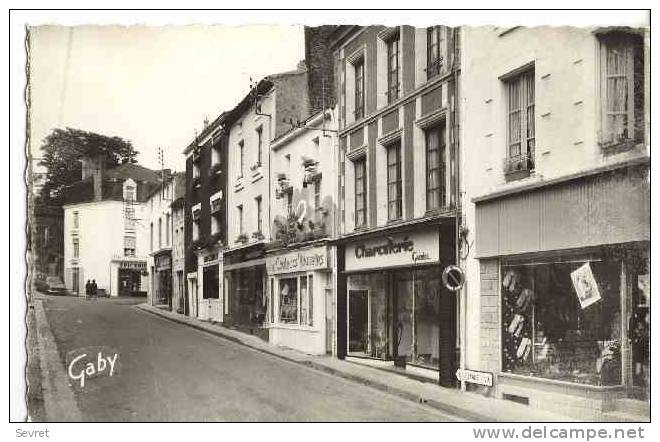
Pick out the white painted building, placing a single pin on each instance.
(161, 237)
(554, 162)
(300, 264)
(104, 232)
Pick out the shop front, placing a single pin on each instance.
(300, 286)
(163, 278)
(572, 287)
(244, 294)
(398, 312)
(128, 277)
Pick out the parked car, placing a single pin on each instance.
(40, 283)
(55, 286)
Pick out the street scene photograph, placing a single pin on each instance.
(411, 221)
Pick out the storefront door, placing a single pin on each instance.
(211, 303)
(358, 322)
(129, 282)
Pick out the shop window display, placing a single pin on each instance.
(289, 300)
(368, 310)
(562, 321)
(402, 321)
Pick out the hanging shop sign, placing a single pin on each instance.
(475, 377)
(453, 277)
(585, 286)
(393, 250)
(299, 261)
(133, 265)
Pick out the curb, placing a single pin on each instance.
(459, 412)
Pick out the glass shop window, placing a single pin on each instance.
(369, 313)
(296, 300)
(563, 321)
(289, 300)
(211, 282)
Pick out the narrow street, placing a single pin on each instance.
(169, 372)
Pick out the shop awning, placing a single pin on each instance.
(611, 207)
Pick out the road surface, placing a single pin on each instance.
(170, 372)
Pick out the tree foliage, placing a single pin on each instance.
(64, 148)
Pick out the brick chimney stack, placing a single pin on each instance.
(320, 66)
(94, 167)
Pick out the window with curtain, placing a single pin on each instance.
(129, 246)
(360, 192)
(520, 122)
(435, 167)
(393, 68)
(359, 88)
(435, 50)
(394, 200)
(622, 88)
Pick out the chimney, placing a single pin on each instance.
(319, 60)
(94, 167)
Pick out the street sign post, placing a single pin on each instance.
(453, 278)
(475, 377)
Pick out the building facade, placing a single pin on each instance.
(257, 120)
(160, 262)
(397, 91)
(556, 173)
(205, 219)
(113, 202)
(177, 207)
(300, 259)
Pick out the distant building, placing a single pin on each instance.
(179, 298)
(161, 239)
(46, 246)
(105, 236)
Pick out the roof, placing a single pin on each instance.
(130, 170)
(228, 117)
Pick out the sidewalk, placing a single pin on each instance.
(469, 406)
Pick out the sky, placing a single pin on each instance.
(150, 85)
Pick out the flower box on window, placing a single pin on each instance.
(216, 205)
(242, 238)
(284, 186)
(258, 235)
(196, 182)
(518, 166)
(215, 237)
(611, 142)
(216, 168)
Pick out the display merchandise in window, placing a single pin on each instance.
(288, 300)
(563, 321)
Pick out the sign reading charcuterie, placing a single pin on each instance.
(410, 248)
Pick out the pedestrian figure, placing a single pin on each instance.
(94, 288)
(88, 289)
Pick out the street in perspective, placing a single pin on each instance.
(339, 223)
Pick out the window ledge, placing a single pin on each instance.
(557, 382)
(297, 327)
